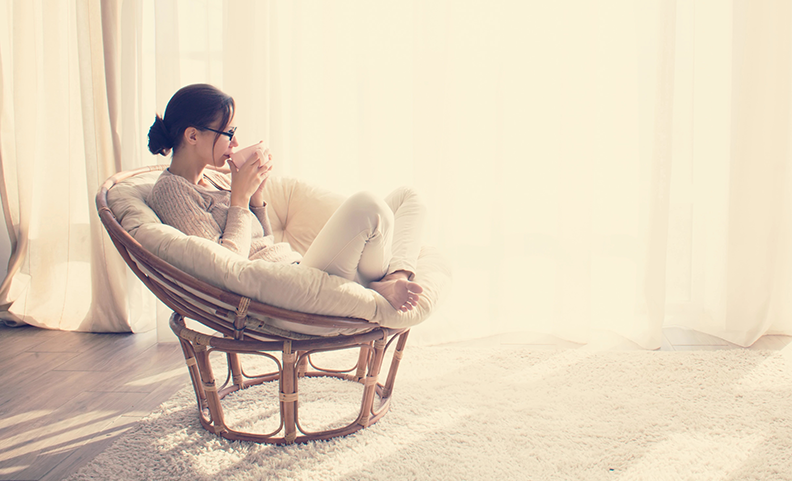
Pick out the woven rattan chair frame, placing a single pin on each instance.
(227, 313)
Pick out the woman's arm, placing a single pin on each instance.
(263, 217)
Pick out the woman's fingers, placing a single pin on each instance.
(253, 166)
(248, 177)
(265, 165)
(254, 173)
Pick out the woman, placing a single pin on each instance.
(371, 241)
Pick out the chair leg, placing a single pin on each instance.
(210, 388)
(195, 375)
(370, 382)
(363, 361)
(394, 367)
(236, 369)
(302, 364)
(288, 394)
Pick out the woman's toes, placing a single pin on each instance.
(403, 295)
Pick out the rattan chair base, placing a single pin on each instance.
(293, 363)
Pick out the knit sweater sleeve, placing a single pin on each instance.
(263, 217)
(181, 206)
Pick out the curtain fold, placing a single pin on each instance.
(751, 298)
(98, 76)
(17, 42)
(759, 164)
(111, 119)
(654, 282)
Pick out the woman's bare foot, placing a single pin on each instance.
(402, 294)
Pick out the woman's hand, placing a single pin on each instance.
(248, 181)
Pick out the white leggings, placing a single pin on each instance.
(368, 238)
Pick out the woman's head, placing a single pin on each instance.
(200, 106)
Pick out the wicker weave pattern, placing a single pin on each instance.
(242, 326)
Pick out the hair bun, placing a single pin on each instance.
(160, 141)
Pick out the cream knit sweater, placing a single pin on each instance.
(206, 211)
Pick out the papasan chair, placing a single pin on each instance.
(259, 309)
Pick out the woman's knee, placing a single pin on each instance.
(369, 206)
(365, 201)
(405, 196)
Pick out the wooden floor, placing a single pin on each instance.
(64, 397)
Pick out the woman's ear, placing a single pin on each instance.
(191, 135)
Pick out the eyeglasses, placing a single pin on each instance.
(229, 134)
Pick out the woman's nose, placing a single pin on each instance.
(234, 142)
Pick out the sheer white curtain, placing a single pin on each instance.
(539, 134)
(732, 177)
(611, 165)
(64, 129)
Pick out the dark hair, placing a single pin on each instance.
(196, 105)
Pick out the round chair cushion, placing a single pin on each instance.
(297, 212)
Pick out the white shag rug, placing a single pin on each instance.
(466, 413)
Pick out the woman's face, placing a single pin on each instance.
(224, 146)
